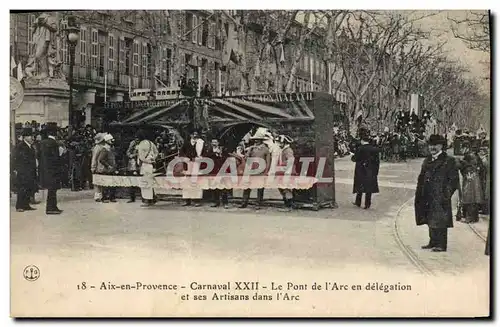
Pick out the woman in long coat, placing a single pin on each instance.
(472, 192)
(366, 171)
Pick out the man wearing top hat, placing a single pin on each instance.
(437, 182)
(25, 168)
(366, 171)
(50, 169)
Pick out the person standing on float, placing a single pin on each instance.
(286, 159)
(193, 149)
(106, 165)
(147, 152)
(99, 144)
(132, 166)
(261, 151)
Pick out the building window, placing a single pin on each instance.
(316, 67)
(121, 54)
(145, 61)
(167, 66)
(94, 49)
(135, 59)
(31, 28)
(211, 35)
(206, 33)
(200, 31)
(181, 21)
(194, 33)
(111, 52)
(218, 35)
(306, 63)
(103, 40)
(83, 46)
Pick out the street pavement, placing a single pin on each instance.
(116, 240)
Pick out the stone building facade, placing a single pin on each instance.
(114, 55)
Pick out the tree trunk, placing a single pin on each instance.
(354, 120)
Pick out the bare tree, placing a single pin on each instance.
(364, 50)
(474, 30)
(408, 60)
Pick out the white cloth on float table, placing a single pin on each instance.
(192, 193)
(147, 173)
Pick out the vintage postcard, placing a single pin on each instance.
(250, 163)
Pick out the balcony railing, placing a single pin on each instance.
(91, 75)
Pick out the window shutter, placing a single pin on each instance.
(200, 32)
(94, 48)
(121, 46)
(194, 34)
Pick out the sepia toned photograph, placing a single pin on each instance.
(250, 163)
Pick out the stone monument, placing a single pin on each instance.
(46, 92)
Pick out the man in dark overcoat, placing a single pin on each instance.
(437, 182)
(50, 169)
(367, 161)
(36, 146)
(25, 168)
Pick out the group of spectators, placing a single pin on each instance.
(75, 152)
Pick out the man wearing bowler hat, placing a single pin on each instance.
(25, 168)
(437, 182)
(50, 169)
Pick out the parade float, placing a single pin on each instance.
(309, 118)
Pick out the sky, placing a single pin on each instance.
(456, 48)
(437, 22)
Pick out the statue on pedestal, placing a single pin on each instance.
(46, 46)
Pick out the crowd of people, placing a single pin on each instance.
(441, 176)
(75, 152)
(143, 157)
(86, 152)
(37, 164)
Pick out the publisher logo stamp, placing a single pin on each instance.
(31, 273)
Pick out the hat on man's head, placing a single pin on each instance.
(108, 137)
(364, 133)
(260, 134)
(27, 132)
(51, 128)
(99, 138)
(436, 139)
(285, 139)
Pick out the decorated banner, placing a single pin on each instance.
(206, 182)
